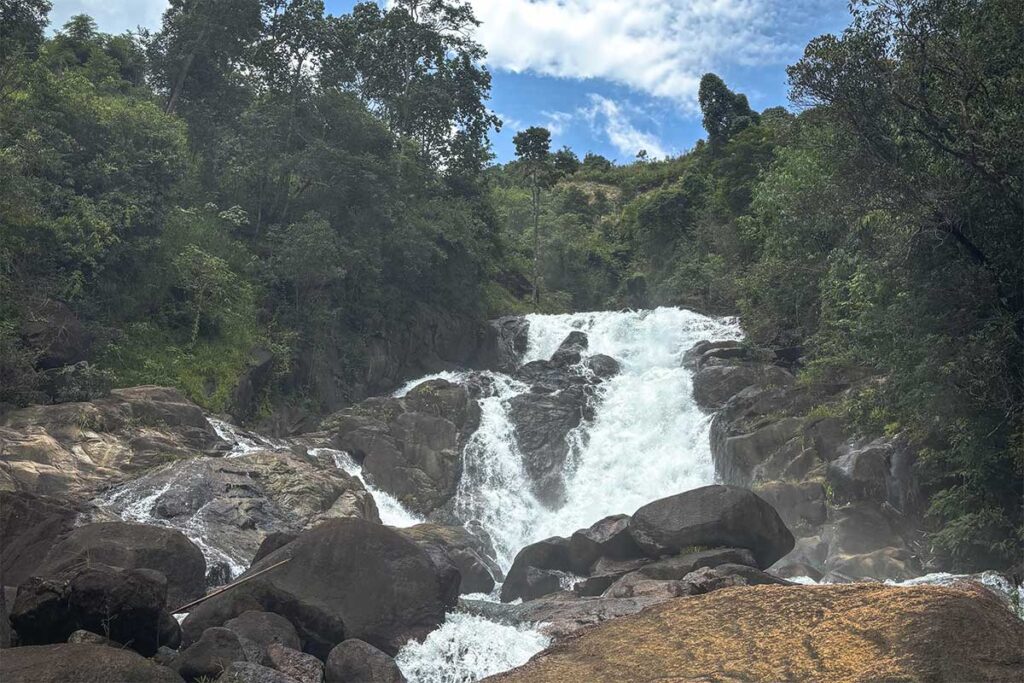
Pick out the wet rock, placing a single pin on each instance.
(638, 586)
(505, 341)
(346, 578)
(298, 665)
(602, 366)
(707, 579)
(467, 552)
(733, 350)
(410, 446)
(762, 634)
(264, 629)
(355, 660)
(674, 568)
(132, 546)
(860, 528)
(249, 672)
(884, 564)
(609, 538)
(244, 404)
(571, 350)
(741, 459)
(551, 553)
(81, 664)
(540, 582)
(209, 656)
(126, 606)
(712, 516)
(29, 526)
(238, 501)
(714, 385)
(5, 622)
(72, 450)
(810, 552)
(542, 422)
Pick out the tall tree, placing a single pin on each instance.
(533, 150)
(725, 112)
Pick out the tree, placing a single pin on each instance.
(533, 150)
(417, 67)
(566, 162)
(725, 112)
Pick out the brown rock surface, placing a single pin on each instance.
(863, 632)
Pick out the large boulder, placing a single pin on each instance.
(132, 546)
(471, 555)
(302, 667)
(263, 629)
(410, 446)
(355, 660)
(126, 606)
(505, 341)
(712, 516)
(772, 633)
(240, 501)
(72, 450)
(346, 578)
(550, 554)
(608, 538)
(29, 526)
(250, 672)
(81, 664)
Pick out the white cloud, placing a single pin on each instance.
(112, 16)
(613, 120)
(658, 47)
(557, 121)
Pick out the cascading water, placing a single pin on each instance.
(647, 440)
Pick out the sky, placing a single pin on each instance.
(605, 76)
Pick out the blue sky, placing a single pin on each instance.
(608, 76)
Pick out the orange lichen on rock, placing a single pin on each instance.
(854, 632)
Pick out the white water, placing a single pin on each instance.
(467, 648)
(648, 439)
(391, 511)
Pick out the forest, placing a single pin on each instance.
(258, 183)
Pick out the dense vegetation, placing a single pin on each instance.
(257, 176)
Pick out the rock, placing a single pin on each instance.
(707, 579)
(608, 538)
(771, 633)
(248, 672)
(55, 334)
(712, 516)
(238, 501)
(470, 555)
(638, 586)
(165, 656)
(126, 606)
(81, 664)
(859, 528)
(264, 629)
(209, 656)
(411, 446)
(561, 614)
(551, 553)
(602, 366)
(273, 541)
(5, 622)
(802, 506)
(712, 571)
(539, 582)
(298, 665)
(132, 546)
(542, 422)
(741, 460)
(714, 385)
(862, 473)
(571, 350)
(72, 450)
(504, 343)
(29, 525)
(354, 660)
(674, 568)
(83, 637)
(244, 404)
(730, 349)
(806, 559)
(884, 564)
(346, 578)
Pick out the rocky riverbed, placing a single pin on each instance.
(598, 478)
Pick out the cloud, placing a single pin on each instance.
(557, 121)
(657, 47)
(611, 118)
(112, 16)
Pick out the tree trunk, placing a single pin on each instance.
(179, 83)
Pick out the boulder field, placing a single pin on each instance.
(836, 633)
